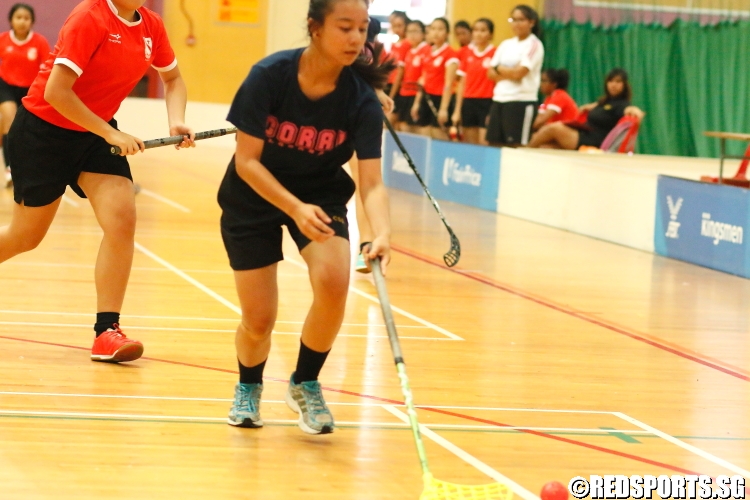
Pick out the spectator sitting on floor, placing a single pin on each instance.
(603, 115)
(558, 106)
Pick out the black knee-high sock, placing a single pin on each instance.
(309, 364)
(251, 375)
(105, 321)
(5, 150)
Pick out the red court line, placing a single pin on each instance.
(395, 402)
(570, 312)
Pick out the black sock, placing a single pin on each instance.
(252, 375)
(5, 150)
(363, 245)
(105, 321)
(309, 364)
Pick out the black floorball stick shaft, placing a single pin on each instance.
(177, 139)
(453, 255)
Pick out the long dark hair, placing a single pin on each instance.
(369, 65)
(19, 6)
(560, 77)
(627, 91)
(530, 14)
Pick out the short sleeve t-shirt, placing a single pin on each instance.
(20, 59)
(412, 65)
(398, 54)
(306, 142)
(474, 68)
(110, 56)
(603, 118)
(562, 104)
(511, 53)
(433, 69)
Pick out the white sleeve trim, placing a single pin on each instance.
(401, 64)
(166, 68)
(453, 60)
(461, 72)
(70, 64)
(554, 108)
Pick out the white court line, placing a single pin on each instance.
(397, 309)
(205, 330)
(368, 405)
(70, 201)
(236, 309)
(180, 318)
(466, 457)
(689, 447)
(165, 200)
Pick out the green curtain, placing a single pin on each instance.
(687, 78)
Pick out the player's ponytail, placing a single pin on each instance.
(369, 64)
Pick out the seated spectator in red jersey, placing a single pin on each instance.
(475, 90)
(558, 106)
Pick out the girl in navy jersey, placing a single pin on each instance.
(22, 52)
(301, 114)
(62, 135)
(438, 76)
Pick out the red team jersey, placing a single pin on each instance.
(398, 54)
(412, 65)
(474, 68)
(560, 101)
(110, 56)
(433, 68)
(21, 59)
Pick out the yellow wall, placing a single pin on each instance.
(497, 10)
(216, 65)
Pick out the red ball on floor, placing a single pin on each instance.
(554, 491)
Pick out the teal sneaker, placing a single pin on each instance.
(245, 411)
(361, 266)
(307, 400)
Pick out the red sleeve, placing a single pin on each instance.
(404, 49)
(451, 56)
(80, 37)
(557, 102)
(164, 58)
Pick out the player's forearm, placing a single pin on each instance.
(460, 94)
(265, 184)
(68, 104)
(175, 95)
(450, 78)
(397, 83)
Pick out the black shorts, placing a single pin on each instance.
(46, 158)
(403, 108)
(593, 138)
(251, 226)
(427, 117)
(10, 92)
(510, 122)
(474, 112)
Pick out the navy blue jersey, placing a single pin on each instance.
(306, 142)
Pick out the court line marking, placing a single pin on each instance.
(689, 447)
(70, 201)
(207, 330)
(370, 397)
(164, 200)
(237, 310)
(465, 456)
(183, 318)
(188, 418)
(374, 299)
(548, 303)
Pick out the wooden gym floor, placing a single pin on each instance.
(543, 356)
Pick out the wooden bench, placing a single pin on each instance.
(739, 179)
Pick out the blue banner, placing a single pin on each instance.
(703, 223)
(396, 170)
(465, 173)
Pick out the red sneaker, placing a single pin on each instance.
(114, 347)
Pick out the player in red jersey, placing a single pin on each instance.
(62, 136)
(399, 21)
(409, 71)
(438, 76)
(22, 52)
(474, 94)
